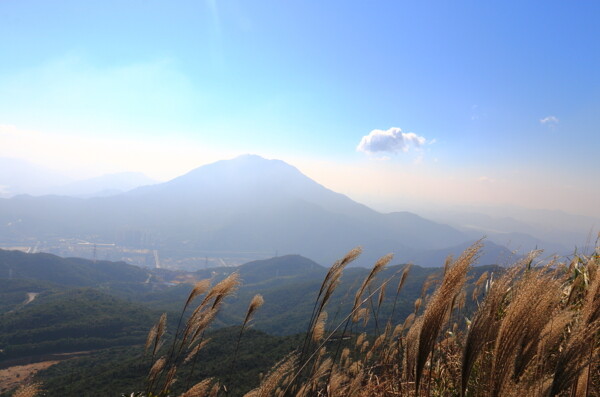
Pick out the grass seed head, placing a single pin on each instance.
(199, 389)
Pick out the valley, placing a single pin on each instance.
(107, 307)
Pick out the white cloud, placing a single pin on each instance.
(392, 140)
(485, 179)
(550, 120)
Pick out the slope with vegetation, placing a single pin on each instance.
(531, 329)
(70, 320)
(66, 271)
(120, 370)
(535, 333)
(54, 305)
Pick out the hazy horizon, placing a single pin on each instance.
(397, 105)
(377, 202)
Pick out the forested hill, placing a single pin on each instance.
(69, 320)
(66, 271)
(57, 305)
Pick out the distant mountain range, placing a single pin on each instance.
(246, 204)
(519, 228)
(104, 185)
(21, 177)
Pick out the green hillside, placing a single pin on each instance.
(123, 370)
(14, 293)
(121, 307)
(72, 320)
(66, 271)
(289, 285)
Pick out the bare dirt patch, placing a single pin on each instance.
(17, 375)
(30, 297)
(23, 373)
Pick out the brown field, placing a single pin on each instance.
(22, 374)
(17, 375)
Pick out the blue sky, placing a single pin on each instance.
(505, 95)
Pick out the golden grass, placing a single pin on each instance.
(534, 332)
(200, 389)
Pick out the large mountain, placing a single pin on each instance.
(247, 204)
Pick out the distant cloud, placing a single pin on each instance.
(549, 120)
(485, 179)
(392, 140)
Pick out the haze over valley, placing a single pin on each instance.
(249, 208)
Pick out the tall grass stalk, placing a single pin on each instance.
(534, 330)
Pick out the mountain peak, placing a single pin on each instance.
(248, 157)
(254, 161)
(242, 175)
